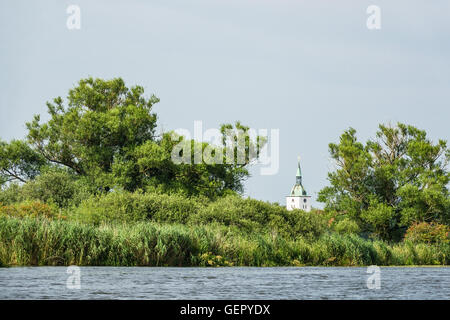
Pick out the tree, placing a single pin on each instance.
(18, 162)
(214, 176)
(392, 181)
(106, 133)
(103, 121)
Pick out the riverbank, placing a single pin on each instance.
(45, 242)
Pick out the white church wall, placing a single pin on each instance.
(302, 203)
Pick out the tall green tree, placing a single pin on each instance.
(215, 175)
(105, 132)
(392, 181)
(102, 121)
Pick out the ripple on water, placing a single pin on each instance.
(224, 283)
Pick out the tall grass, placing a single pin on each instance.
(39, 241)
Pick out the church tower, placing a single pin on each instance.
(298, 199)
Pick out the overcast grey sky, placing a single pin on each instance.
(309, 68)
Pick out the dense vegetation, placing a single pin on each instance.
(95, 185)
(105, 135)
(57, 242)
(391, 183)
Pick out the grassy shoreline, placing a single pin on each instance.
(44, 242)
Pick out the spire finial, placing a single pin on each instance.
(299, 172)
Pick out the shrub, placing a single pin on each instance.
(379, 217)
(10, 194)
(246, 214)
(427, 233)
(32, 209)
(310, 225)
(126, 207)
(346, 226)
(250, 215)
(55, 185)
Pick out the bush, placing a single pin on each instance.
(32, 209)
(379, 217)
(310, 225)
(346, 226)
(246, 214)
(427, 233)
(55, 186)
(11, 194)
(125, 206)
(250, 215)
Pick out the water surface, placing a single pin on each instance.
(225, 283)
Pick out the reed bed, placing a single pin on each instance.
(44, 242)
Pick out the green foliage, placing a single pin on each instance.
(250, 215)
(53, 186)
(10, 194)
(428, 233)
(122, 206)
(232, 211)
(105, 133)
(57, 242)
(103, 121)
(134, 198)
(347, 226)
(155, 163)
(419, 204)
(391, 182)
(221, 170)
(379, 217)
(43, 242)
(246, 214)
(310, 225)
(420, 254)
(18, 162)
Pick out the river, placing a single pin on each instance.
(225, 283)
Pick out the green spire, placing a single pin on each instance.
(298, 189)
(299, 173)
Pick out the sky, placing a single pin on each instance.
(311, 69)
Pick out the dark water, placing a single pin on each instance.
(224, 283)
